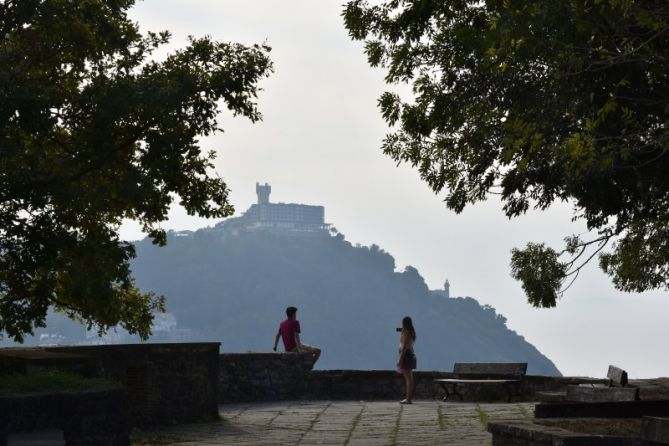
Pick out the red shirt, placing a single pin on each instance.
(288, 328)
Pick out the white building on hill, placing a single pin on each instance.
(284, 217)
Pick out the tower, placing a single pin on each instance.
(263, 192)
(447, 289)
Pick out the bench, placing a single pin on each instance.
(509, 375)
(615, 390)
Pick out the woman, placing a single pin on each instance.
(407, 359)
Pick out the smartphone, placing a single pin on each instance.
(398, 329)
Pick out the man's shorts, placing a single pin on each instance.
(305, 348)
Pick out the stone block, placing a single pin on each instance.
(526, 433)
(594, 394)
(655, 430)
(606, 409)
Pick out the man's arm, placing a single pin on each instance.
(276, 339)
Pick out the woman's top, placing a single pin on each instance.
(409, 342)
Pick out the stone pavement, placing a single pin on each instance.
(347, 423)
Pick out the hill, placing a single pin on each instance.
(230, 284)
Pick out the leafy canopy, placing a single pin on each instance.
(92, 131)
(538, 102)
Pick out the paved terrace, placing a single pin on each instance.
(343, 423)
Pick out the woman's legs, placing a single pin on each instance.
(408, 379)
(410, 385)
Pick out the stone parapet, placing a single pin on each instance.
(263, 376)
(285, 376)
(92, 417)
(388, 384)
(164, 383)
(369, 385)
(36, 359)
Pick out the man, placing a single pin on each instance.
(289, 331)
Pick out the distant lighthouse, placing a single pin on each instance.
(447, 289)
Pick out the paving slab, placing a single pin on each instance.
(345, 423)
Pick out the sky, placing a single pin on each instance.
(319, 143)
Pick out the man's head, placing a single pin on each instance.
(291, 312)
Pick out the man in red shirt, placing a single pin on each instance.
(289, 332)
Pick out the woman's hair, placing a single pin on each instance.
(407, 324)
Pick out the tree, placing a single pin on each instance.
(538, 102)
(92, 131)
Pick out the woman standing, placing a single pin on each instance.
(407, 360)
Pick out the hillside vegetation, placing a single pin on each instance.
(231, 285)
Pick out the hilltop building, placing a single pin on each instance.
(283, 217)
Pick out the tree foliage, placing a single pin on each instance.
(538, 102)
(94, 130)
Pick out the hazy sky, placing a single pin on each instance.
(319, 144)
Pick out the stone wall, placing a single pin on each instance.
(388, 384)
(283, 376)
(370, 385)
(263, 376)
(164, 383)
(603, 409)
(526, 433)
(93, 417)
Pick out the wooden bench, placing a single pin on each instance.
(508, 375)
(615, 390)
